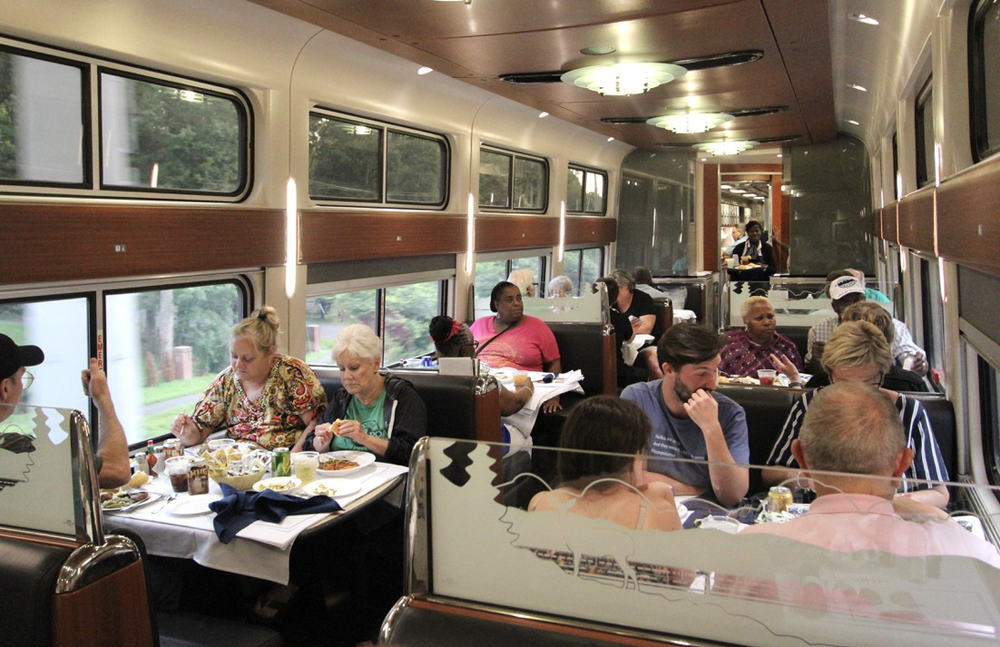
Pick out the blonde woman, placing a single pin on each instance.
(262, 396)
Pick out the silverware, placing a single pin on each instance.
(165, 503)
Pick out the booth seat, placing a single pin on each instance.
(458, 406)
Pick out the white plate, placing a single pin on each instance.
(190, 506)
(341, 487)
(363, 459)
(153, 496)
(280, 484)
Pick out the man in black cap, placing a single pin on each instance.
(112, 448)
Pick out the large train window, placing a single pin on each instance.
(512, 181)
(61, 327)
(42, 125)
(583, 266)
(984, 78)
(165, 345)
(924, 125)
(586, 191)
(170, 137)
(399, 314)
(897, 190)
(931, 338)
(353, 160)
(489, 272)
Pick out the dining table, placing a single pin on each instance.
(176, 525)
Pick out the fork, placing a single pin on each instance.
(165, 503)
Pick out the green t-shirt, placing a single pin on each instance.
(372, 419)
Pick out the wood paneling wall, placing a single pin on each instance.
(710, 208)
(44, 243)
(889, 229)
(112, 612)
(338, 236)
(968, 217)
(916, 220)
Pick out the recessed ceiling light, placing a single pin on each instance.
(690, 122)
(425, 70)
(704, 159)
(859, 88)
(853, 123)
(611, 139)
(726, 186)
(860, 17)
(737, 191)
(726, 147)
(543, 115)
(779, 154)
(598, 50)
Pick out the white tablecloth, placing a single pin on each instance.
(524, 419)
(261, 549)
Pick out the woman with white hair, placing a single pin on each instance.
(759, 345)
(374, 411)
(524, 279)
(559, 287)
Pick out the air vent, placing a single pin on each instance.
(750, 112)
(599, 50)
(691, 64)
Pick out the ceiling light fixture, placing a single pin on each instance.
(543, 115)
(726, 147)
(598, 50)
(859, 88)
(690, 122)
(862, 18)
(737, 191)
(623, 79)
(853, 123)
(611, 139)
(425, 70)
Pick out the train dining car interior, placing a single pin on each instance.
(707, 452)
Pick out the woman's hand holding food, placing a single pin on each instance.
(185, 428)
(351, 429)
(324, 434)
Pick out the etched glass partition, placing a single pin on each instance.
(799, 304)
(846, 569)
(587, 308)
(41, 472)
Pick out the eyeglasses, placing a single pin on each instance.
(877, 382)
(27, 379)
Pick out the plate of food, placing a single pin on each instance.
(192, 506)
(344, 462)
(748, 266)
(335, 488)
(283, 484)
(124, 499)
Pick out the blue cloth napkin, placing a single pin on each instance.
(236, 509)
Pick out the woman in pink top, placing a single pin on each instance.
(512, 339)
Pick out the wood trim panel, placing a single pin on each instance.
(889, 228)
(771, 169)
(74, 242)
(916, 220)
(487, 407)
(968, 217)
(610, 364)
(339, 236)
(57, 542)
(112, 612)
(876, 223)
(494, 233)
(587, 634)
(599, 230)
(710, 210)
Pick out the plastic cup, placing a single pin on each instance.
(177, 468)
(521, 379)
(220, 443)
(306, 464)
(766, 376)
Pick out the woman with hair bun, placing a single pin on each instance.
(263, 396)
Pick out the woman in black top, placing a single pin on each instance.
(755, 251)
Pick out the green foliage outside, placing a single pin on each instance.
(8, 105)
(529, 184)
(344, 159)
(414, 169)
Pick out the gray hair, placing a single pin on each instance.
(624, 280)
(854, 428)
(359, 341)
(750, 304)
(560, 286)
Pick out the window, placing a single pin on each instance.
(346, 163)
(585, 191)
(164, 347)
(925, 136)
(158, 133)
(489, 273)
(512, 181)
(583, 266)
(399, 315)
(895, 167)
(161, 136)
(42, 125)
(61, 328)
(932, 312)
(989, 402)
(984, 78)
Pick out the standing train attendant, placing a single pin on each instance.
(263, 396)
(374, 412)
(691, 421)
(754, 250)
(513, 339)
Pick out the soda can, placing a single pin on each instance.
(198, 477)
(778, 499)
(281, 462)
(172, 447)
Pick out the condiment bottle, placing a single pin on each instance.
(151, 458)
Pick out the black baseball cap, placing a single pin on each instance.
(13, 357)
